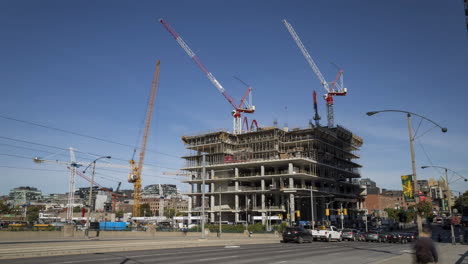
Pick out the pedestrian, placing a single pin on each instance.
(184, 231)
(425, 251)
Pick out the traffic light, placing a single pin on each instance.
(338, 211)
(298, 213)
(345, 211)
(327, 212)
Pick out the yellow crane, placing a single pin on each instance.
(135, 174)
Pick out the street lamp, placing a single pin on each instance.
(449, 195)
(413, 161)
(91, 190)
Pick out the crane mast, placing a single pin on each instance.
(135, 175)
(341, 91)
(243, 107)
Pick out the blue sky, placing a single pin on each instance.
(87, 67)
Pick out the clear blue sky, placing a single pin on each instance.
(87, 66)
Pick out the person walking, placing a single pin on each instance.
(425, 251)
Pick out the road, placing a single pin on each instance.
(316, 252)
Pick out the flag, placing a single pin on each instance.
(408, 187)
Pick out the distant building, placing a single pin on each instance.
(370, 185)
(159, 205)
(24, 195)
(154, 190)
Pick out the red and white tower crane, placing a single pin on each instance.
(337, 83)
(243, 107)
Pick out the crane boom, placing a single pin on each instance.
(135, 176)
(244, 106)
(306, 55)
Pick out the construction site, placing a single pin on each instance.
(271, 174)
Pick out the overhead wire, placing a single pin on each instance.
(82, 135)
(77, 151)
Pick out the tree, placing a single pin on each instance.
(462, 202)
(4, 208)
(170, 213)
(119, 214)
(145, 209)
(393, 214)
(33, 213)
(424, 208)
(77, 209)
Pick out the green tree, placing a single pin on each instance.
(4, 208)
(33, 213)
(119, 214)
(170, 213)
(424, 208)
(461, 201)
(145, 209)
(77, 209)
(393, 214)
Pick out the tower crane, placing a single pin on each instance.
(112, 193)
(135, 174)
(337, 83)
(73, 165)
(243, 107)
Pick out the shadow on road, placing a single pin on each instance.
(125, 260)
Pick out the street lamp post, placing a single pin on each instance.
(203, 196)
(413, 160)
(449, 196)
(91, 191)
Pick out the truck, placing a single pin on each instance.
(326, 233)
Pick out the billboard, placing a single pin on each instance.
(408, 187)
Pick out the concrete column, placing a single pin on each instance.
(236, 186)
(236, 172)
(212, 187)
(236, 201)
(263, 209)
(303, 184)
(262, 170)
(291, 183)
(212, 174)
(212, 205)
(189, 221)
(263, 185)
(290, 168)
(293, 208)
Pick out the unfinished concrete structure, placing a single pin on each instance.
(273, 173)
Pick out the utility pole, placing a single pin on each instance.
(341, 216)
(312, 205)
(449, 201)
(413, 165)
(220, 228)
(203, 196)
(88, 224)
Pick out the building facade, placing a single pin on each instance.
(273, 173)
(24, 195)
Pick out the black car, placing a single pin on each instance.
(398, 238)
(296, 234)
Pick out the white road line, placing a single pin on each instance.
(207, 259)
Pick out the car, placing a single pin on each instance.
(383, 237)
(438, 220)
(361, 236)
(296, 234)
(398, 238)
(410, 237)
(372, 236)
(349, 234)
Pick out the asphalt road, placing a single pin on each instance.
(316, 252)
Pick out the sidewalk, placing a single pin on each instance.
(27, 249)
(448, 254)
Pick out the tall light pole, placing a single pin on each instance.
(203, 196)
(449, 196)
(413, 160)
(91, 190)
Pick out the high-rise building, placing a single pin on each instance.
(24, 195)
(274, 173)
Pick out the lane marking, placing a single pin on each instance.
(207, 259)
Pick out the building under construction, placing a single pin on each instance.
(273, 174)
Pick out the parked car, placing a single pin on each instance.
(383, 237)
(349, 234)
(296, 234)
(410, 237)
(398, 238)
(372, 236)
(361, 236)
(326, 233)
